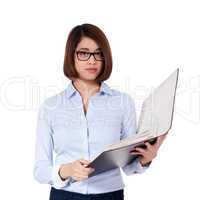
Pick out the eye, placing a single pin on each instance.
(99, 54)
(83, 53)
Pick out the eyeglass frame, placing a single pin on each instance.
(91, 53)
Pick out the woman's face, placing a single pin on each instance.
(88, 69)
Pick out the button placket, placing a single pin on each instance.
(84, 118)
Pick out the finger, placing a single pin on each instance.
(82, 176)
(84, 162)
(165, 135)
(89, 170)
(80, 171)
(140, 150)
(133, 149)
(162, 137)
(92, 171)
(148, 145)
(159, 141)
(135, 153)
(83, 172)
(86, 170)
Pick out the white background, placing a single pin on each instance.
(149, 39)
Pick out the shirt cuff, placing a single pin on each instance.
(134, 167)
(57, 181)
(139, 167)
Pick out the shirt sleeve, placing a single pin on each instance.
(44, 170)
(129, 125)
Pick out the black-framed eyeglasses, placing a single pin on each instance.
(85, 55)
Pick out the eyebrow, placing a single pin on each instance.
(88, 49)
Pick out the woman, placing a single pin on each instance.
(80, 121)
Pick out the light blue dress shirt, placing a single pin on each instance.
(65, 134)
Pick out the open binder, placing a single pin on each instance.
(155, 120)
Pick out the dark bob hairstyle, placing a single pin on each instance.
(75, 36)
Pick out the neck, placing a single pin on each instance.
(86, 88)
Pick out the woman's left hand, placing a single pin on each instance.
(150, 152)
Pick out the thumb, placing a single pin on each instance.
(84, 162)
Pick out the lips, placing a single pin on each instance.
(91, 70)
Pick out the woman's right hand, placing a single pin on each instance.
(77, 170)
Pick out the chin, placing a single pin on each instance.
(89, 78)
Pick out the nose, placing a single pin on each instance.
(91, 59)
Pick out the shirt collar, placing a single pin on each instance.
(104, 88)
